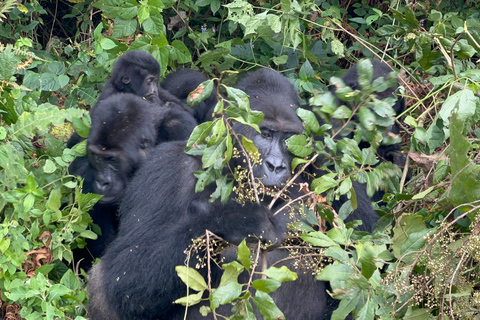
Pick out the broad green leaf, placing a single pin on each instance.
(338, 253)
(299, 146)
(366, 118)
(280, 274)
(335, 273)
(267, 307)
(231, 272)
(225, 294)
(407, 226)
(57, 290)
(324, 183)
(243, 255)
(415, 241)
(345, 307)
(213, 153)
(199, 134)
(191, 277)
(367, 310)
(266, 285)
(310, 120)
(8, 63)
(318, 239)
(366, 256)
(465, 186)
(202, 92)
(249, 147)
(121, 28)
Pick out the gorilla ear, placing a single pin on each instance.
(126, 80)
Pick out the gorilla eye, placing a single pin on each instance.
(266, 134)
(126, 80)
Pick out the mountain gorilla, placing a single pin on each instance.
(122, 133)
(183, 81)
(137, 72)
(161, 213)
(380, 69)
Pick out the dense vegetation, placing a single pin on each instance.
(423, 260)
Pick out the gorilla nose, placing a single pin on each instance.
(102, 186)
(275, 165)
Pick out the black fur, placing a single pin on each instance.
(183, 81)
(161, 213)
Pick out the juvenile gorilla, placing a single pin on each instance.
(137, 72)
(183, 81)
(122, 133)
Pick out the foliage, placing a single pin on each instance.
(421, 261)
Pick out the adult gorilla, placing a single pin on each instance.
(161, 213)
(122, 133)
(183, 81)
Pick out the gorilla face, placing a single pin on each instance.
(136, 72)
(122, 133)
(275, 96)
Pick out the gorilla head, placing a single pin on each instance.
(134, 72)
(276, 97)
(122, 132)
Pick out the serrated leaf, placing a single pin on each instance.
(191, 277)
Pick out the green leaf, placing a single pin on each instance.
(310, 121)
(367, 310)
(190, 300)
(280, 274)
(418, 314)
(338, 253)
(266, 285)
(107, 44)
(318, 239)
(366, 118)
(267, 307)
(345, 307)
(8, 63)
(297, 145)
(231, 273)
(366, 256)
(249, 147)
(121, 28)
(199, 134)
(179, 52)
(465, 185)
(225, 294)
(335, 273)
(407, 226)
(89, 234)
(243, 255)
(324, 183)
(464, 101)
(191, 277)
(57, 290)
(414, 242)
(202, 92)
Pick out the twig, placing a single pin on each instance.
(250, 167)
